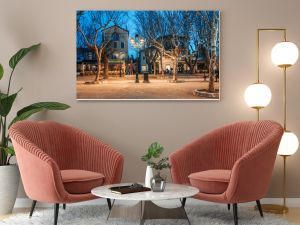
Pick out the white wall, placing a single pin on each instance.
(49, 74)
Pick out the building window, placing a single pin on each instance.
(122, 45)
(115, 36)
(90, 55)
(115, 44)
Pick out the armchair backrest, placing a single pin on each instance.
(56, 140)
(67, 147)
(231, 142)
(38, 162)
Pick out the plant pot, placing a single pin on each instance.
(148, 176)
(9, 183)
(158, 183)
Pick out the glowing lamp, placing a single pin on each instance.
(284, 54)
(258, 95)
(289, 144)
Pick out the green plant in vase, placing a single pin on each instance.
(9, 175)
(157, 182)
(161, 164)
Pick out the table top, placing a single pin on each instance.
(172, 191)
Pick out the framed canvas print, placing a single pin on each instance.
(148, 55)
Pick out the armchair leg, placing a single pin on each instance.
(108, 203)
(259, 208)
(183, 202)
(228, 206)
(64, 206)
(235, 213)
(56, 209)
(32, 208)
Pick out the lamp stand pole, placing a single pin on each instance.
(284, 183)
(257, 110)
(272, 208)
(284, 98)
(137, 66)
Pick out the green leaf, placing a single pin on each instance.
(1, 71)
(155, 150)
(6, 103)
(9, 150)
(27, 111)
(25, 115)
(16, 58)
(44, 105)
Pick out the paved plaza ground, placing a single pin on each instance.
(126, 88)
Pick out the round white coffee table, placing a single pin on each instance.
(145, 209)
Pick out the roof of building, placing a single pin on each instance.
(115, 26)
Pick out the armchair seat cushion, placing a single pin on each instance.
(211, 181)
(81, 181)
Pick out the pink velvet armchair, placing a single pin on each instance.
(230, 165)
(60, 164)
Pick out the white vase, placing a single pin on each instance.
(9, 183)
(148, 176)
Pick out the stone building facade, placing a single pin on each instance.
(117, 47)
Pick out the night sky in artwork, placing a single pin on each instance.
(128, 22)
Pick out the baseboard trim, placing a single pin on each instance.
(291, 202)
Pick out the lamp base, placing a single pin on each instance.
(276, 209)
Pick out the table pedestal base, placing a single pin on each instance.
(147, 210)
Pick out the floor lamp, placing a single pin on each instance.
(283, 55)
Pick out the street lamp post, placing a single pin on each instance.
(137, 42)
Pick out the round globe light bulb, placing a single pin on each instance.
(284, 54)
(258, 95)
(289, 144)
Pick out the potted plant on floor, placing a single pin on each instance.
(9, 173)
(156, 182)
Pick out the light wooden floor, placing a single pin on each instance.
(293, 215)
